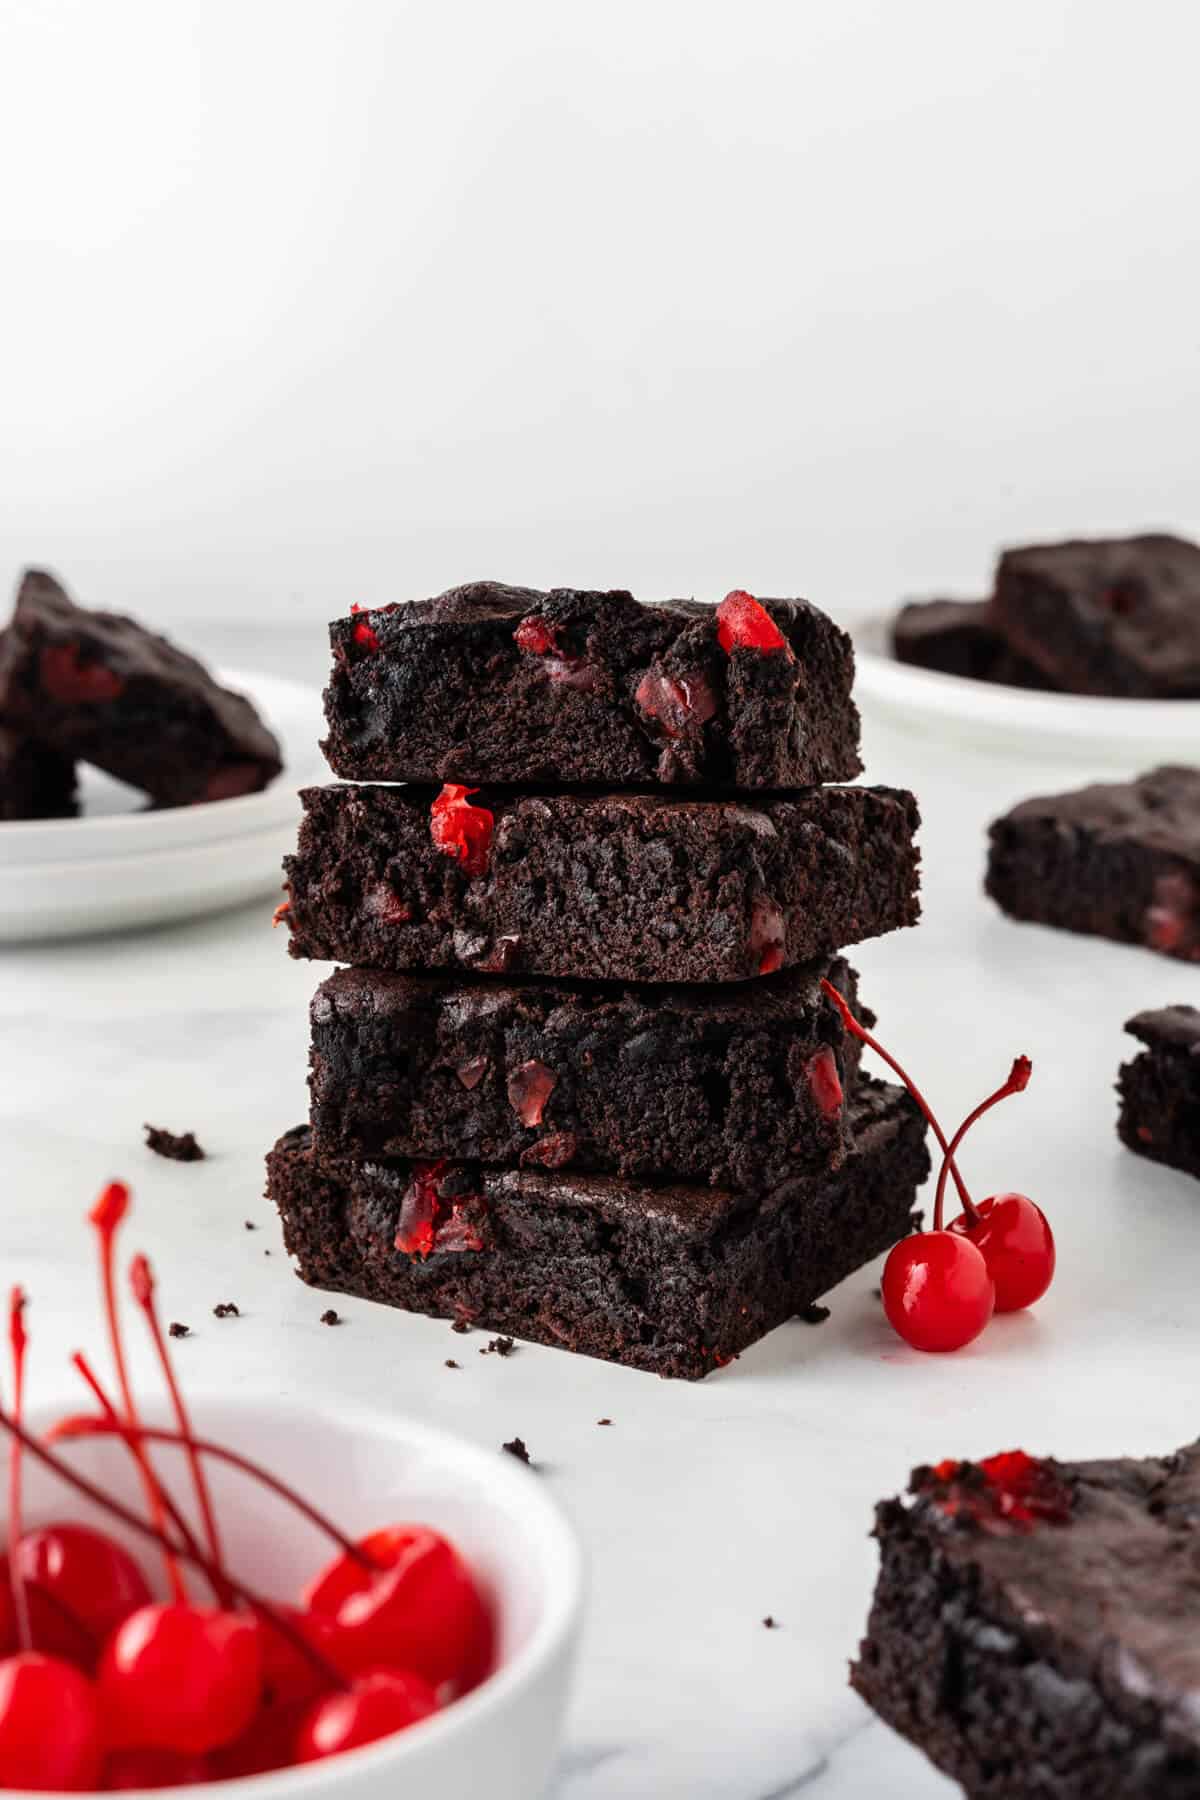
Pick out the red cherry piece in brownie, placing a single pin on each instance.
(1011, 1489)
(462, 830)
(529, 1088)
(535, 637)
(679, 704)
(385, 904)
(419, 1209)
(744, 624)
(825, 1083)
(363, 632)
(768, 935)
(553, 1151)
(69, 678)
(472, 1072)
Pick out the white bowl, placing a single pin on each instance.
(369, 1470)
(1130, 735)
(120, 865)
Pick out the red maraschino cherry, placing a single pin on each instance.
(461, 830)
(941, 1287)
(185, 1678)
(381, 1702)
(81, 1584)
(129, 1770)
(418, 1608)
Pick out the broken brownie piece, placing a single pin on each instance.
(676, 1280)
(1118, 860)
(1036, 1626)
(735, 1086)
(1118, 616)
(621, 887)
(99, 688)
(1160, 1088)
(956, 637)
(489, 683)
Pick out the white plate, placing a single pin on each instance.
(120, 865)
(1128, 734)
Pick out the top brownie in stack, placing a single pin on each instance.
(488, 683)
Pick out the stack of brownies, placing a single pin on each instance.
(578, 1082)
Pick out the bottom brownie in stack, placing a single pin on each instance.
(671, 1279)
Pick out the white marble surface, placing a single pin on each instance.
(703, 1507)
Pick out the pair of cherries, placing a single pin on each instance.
(102, 1687)
(941, 1287)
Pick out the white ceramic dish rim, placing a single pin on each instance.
(550, 1639)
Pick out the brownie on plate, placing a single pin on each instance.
(1117, 860)
(1160, 1088)
(956, 637)
(35, 783)
(671, 1279)
(99, 688)
(1036, 1626)
(622, 887)
(489, 683)
(737, 1086)
(1106, 616)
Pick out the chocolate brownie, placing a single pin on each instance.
(1114, 616)
(675, 1280)
(1036, 1626)
(99, 688)
(489, 683)
(35, 783)
(737, 1086)
(955, 637)
(1116, 860)
(1160, 1088)
(622, 887)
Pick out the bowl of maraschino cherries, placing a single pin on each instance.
(244, 1590)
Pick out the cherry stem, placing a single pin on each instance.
(18, 1341)
(128, 1434)
(860, 1031)
(1018, 1081)
(141, 1279)
(106, 1216)
(81, 1428)
(192, 1554)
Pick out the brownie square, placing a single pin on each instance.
(1160, 1088)
(489, 683)
(620, 887)
(1119, 860)
(956, 637)
(1036, 1626)
(96, 687)
(35, 783)
(736, 1086)
(675, 1280)
(1116, 616)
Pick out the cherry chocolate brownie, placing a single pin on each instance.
(1160, 1088)
(96, 687)
(956, 637)
(736, 1086)
(620, 887)
(671, 1279)
(489, 683)
(1114, 616)
(1036, 1626)
(1115, 860)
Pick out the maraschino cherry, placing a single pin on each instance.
(743, 623)
(461, 830)
(940, 1287)
(381, 1702)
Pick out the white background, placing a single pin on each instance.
(309, 302)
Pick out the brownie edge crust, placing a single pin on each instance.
(674, 1280)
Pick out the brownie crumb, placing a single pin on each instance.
(451, 1364)
(182, 1148)
(516, 1447)
(770, 1623)
(461, 1326)
(225, 1309)
(498, 1346)
(175, 1329)
(813, 1315)
(250, 1225)
(604, 1421)
(331, 1318)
